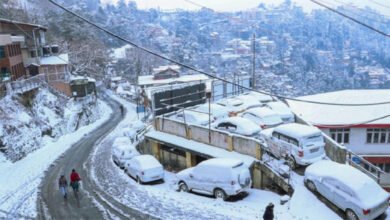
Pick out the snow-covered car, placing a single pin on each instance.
(221, 177)
(282, 110)
(359, 196)
(123, 150)
(133, 131)
(264, 117)
(233, 105)
(250, 101)
(191, 117)
(217, 111)
(238, 125)
(298, 144)
(144, 168)
(263, 98)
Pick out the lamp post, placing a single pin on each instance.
(208, 96)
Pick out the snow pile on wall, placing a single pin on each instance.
(26, 121)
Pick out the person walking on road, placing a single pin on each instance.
(122, 110)
(63, 185)
(74, 181)
(269, 212)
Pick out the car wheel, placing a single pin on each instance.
(183, 187)
(292, 163)
(311, 186)
(350, 215)
(220, 194)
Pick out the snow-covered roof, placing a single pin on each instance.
(216, 110)
(62, 59)
(120, 53)
(368, 191)
(121, 143)
(344, 115)
(199, 147)
(164, 68)
(149, 80)
(261, 97)
(296, 130)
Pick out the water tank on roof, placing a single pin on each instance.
(46, 51)
(55, 49)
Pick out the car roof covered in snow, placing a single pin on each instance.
(147, 161)
(230, 101)
(296, 130)
(362, 185)
(279, 107)
(261, 112)
(122, 143)
(244, 126)
(261, 97)
(222, 162)
(214, 108)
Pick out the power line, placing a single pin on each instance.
(351, 18)
(380, 4)
(349, 125)
(203, 72)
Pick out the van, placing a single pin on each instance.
(221, 177)
(123, 150)
(298, 144)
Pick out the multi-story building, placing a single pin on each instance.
(11, 61)
(365, 130)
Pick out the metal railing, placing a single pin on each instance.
(25, 85)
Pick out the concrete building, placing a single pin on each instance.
(11, 61)
(365, 130)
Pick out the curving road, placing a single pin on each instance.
(94, 202)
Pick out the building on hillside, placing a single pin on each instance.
(365, 130)
(37, 55)
(11, 61)
(166, 72)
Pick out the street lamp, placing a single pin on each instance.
(208, 96)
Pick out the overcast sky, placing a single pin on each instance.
(236, 5)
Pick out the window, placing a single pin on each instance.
(2, 52)
(340, 135)
(377, 135)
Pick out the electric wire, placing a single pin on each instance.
(203, 72)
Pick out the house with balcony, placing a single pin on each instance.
(365, 130)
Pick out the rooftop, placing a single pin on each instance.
(331, 115)
(149, 80)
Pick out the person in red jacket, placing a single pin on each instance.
(74, 180)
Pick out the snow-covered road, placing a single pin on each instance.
(162, 201)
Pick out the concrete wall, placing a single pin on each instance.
(218, 138)
(171, 127)
(62, 87)
(247, 146)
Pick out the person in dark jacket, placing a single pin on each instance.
(63, 185)
(269, 212)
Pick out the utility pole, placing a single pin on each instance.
(254, 61)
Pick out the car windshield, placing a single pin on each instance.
(272, 119)
(315, 138)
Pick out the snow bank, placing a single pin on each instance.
(18, 194)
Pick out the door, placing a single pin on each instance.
(327, 188)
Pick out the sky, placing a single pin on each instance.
(237, 5)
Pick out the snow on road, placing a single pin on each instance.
(20, 180)
(163, 201)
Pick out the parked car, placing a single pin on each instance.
(144, 168)
(233, 105)
(191, 117)
(282, 110)
(298, 144)
(263, 98)
(123, 150)
(359, 196)
(263, 117)
(250, 101)
(217, 111)
(238, 125)
(221, 177)
(134, 130)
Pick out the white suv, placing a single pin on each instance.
(221, 177)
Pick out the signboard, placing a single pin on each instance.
(175, 97)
